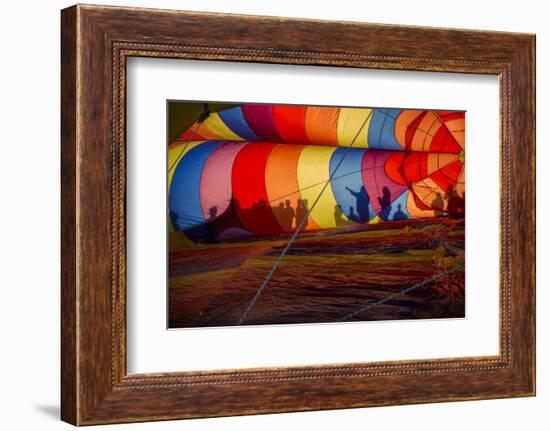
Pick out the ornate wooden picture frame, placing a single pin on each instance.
(96, 41)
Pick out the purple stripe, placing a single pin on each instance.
(377, 183)
(260, 120)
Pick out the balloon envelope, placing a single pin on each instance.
(265, 169)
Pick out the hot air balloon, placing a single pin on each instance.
(263, 170)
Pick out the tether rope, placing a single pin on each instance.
(402, 292)
(299, 228)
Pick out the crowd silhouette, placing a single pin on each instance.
(285, 214)
(455, 203)
(451, 205)
(289, 217)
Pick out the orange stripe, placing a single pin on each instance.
(204, 131)
(322, 125)
(281, 184)
(402, 123)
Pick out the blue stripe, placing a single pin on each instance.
(184, 199)
(382, 130)
(234, 119)
(347, 184)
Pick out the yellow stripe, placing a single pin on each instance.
(375, 220)
(216, 125)
(349, 123)
(313, 173)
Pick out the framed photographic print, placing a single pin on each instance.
(255, 223)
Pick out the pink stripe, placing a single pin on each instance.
(376, 179)
(216, 192)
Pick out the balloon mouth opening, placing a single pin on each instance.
(462, 156)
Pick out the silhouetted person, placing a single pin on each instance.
(362, 202)
(288, 214)
(438, 204)
(260, 208)
(399, 214)
(338, 215)
(204, 232)
(227, 219)
(385, 203)
(455, 206)
(301, 213)
(212, 214)
(262, 204)
(279, 212)
(352, 216)
(234, 203)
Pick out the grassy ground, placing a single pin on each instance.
(324, 277)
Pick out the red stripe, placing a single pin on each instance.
(450, 115)
(394, 168)
(415, 167)
(249, 192)
(444, 142)
(290, 122)
(447, 176)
